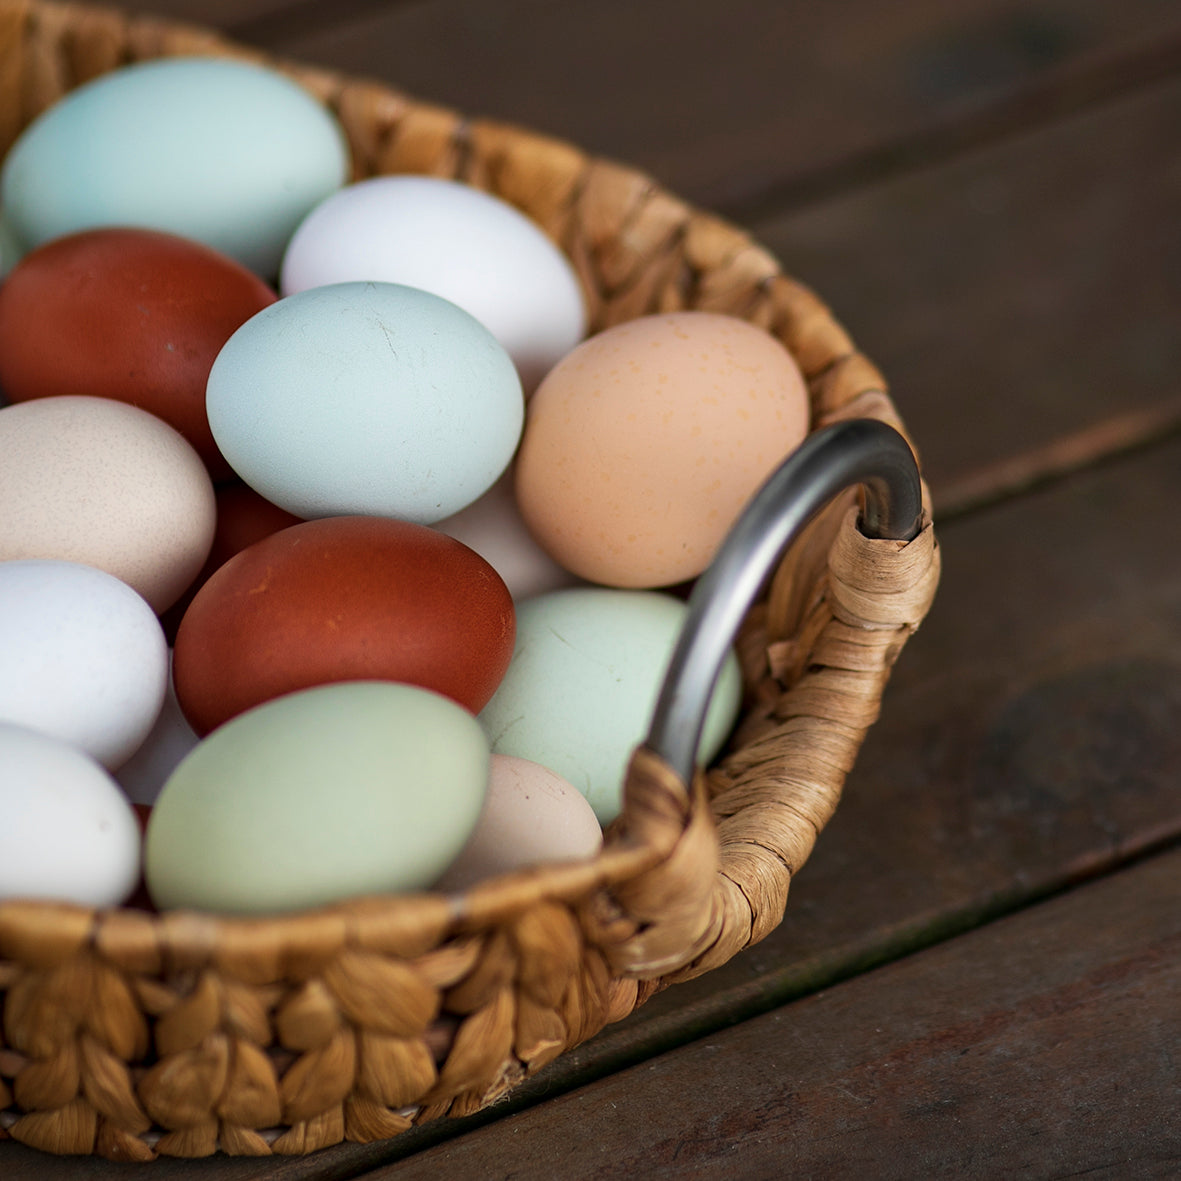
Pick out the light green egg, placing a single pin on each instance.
(226, 152)
(586, 671)
(355, 788)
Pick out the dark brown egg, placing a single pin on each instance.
(130, 314)
(343, 599)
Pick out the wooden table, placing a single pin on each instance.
(979, 974)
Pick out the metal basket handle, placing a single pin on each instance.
(860, 451)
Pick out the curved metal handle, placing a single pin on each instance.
(861, 451)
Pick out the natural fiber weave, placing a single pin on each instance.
(129, 1034)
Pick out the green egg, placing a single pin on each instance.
(355, 788)
(582, 685)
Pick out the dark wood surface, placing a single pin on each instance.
(980, 970)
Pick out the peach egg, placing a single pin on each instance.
(644, 443)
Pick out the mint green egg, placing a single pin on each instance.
(364, 787)
(579, 694)
(226, 152)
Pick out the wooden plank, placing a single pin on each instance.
(1044, 1045)
(727, 101)
(1028, 741)
(1025, 291)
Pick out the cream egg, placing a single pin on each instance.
(99, 482)
(531, 816)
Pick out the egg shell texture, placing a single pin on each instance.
(82, 657)
(642, 446)
(225, 152)
(69, 834)
(530, 817)
(366, 398)
(578, 696)
(343, 599)
(106, 484)
(346, 789)
(135, 315)
(456, 241)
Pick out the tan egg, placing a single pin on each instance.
(531, 816)
(99, 482)
(642, 445)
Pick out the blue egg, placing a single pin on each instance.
(366, 398)
(226, 152)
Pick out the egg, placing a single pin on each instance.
(579, 693)
(530, 817)
(343, 599)
(167, 743)
(461, 243)
(68, 834)
(226, 152)
(368, 398)
(130, 314)
(82, 657)
(106, 484)
(642, 445)
(243, 517)
(492, 526)
(342, 790)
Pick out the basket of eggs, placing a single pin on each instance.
(477, 567)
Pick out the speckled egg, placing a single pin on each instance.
(99, 482)
(642, 445)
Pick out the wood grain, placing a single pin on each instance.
(725, 100)
(1021, 293)
(1043, 1045)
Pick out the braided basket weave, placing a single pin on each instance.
(128, 1034)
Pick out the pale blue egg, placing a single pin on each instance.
(581, 688)
(366, 398)
(226, 152)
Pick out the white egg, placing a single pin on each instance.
(455, 241)
(83, 657)
(69, 834)
(493, 527)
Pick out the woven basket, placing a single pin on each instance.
(128, 1034)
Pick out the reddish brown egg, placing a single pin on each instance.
(130, 314)
(343, 599)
